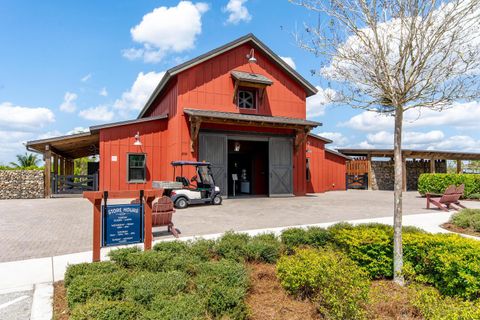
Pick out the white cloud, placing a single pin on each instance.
(238, 12)
(135, 98)
(289, 61)
(99, 113)
(461, 116)
(78, 130)
(317, 103)
(338, 139)
(103, 92)
(166, 30)
(68, 104)
(86, 77)
(24, 118)
(410, 138)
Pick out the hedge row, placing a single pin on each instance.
(204, 279)
(449, 262)
(438, 182)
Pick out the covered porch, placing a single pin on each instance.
(59, 154)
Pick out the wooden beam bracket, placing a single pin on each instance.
(195, 124)
(301, 137)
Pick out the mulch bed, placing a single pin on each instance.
(389, 301)
(268, 300)
(60, 307)
(451, 227)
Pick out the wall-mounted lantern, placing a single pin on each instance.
(236, 147)
(137, 140)
(251, 56)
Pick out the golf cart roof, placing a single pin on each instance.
(189, 163)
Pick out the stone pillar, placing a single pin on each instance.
(47, 171)
(459, 166)
(370, 175)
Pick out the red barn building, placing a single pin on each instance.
(240, 107)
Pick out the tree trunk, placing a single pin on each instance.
(398, 189)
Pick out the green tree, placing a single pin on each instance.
(25, 161)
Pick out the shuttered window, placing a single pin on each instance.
(136, 168)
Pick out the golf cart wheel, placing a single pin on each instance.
(181, 203)
(217, 200)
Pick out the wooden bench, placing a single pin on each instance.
(162, 212)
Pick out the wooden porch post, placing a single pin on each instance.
(62, 166)
(459, 166)
(369, 179)
(55, 163)
(47, 170)
(432, 165)
(404, 172)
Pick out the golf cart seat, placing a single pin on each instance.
(183, 180)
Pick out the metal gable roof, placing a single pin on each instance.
(309, 88)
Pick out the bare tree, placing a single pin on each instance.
(390, 56)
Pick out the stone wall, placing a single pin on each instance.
(383, 173)
(21, 184)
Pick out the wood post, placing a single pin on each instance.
(459, 166)
(55, 163)
(370, 178)
(432, 165)
(62, 166)
(47, 171)
(404, 173)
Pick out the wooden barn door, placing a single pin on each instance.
(281, 166)
(213, 149)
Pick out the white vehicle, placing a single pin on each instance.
(200, 189)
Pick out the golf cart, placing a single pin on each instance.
(200, 189)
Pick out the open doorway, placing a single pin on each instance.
(247, 168)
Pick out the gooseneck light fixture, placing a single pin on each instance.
(251, 56)
(137, 140)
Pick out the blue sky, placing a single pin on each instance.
(66, 65)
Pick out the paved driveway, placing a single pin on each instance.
(49, 227)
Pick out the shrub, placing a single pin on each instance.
(203, 249)
(180, 307)
(335, 284)
(224, 286)
(123, 256)
(109, 286)
(438, 182)
(144, 286)
(263, 248)
(232, 245)
(82, 269)
(371, 246)
(106, 310)
(449, 262)
(467, 218)
(434, 306)
(176, 247)
(312, 236)
(474, 196)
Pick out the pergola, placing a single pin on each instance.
(59, 153)
(432, 155)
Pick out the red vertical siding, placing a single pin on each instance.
(327, 170)
(118, 142)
